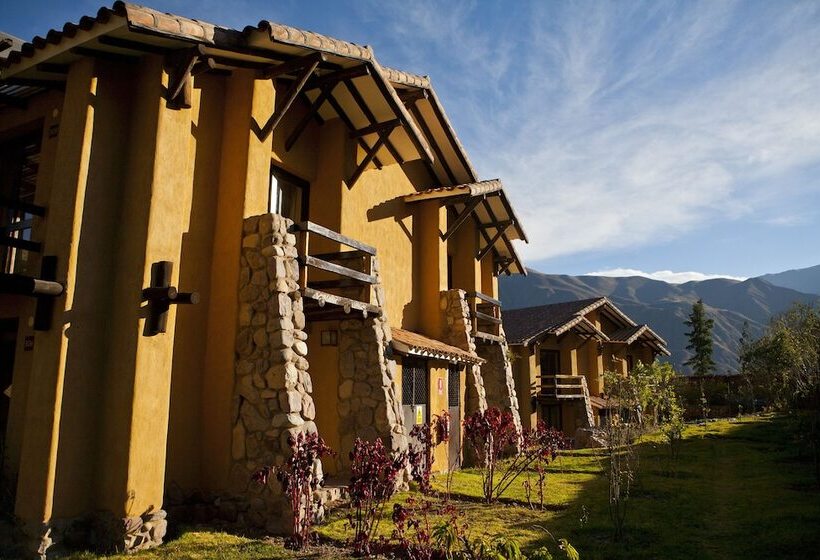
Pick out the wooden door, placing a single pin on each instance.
(415, 392)
(454, 408)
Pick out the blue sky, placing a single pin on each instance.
(656, 136)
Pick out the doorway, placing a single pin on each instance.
(8, 343)
(415, 392)
(454, 409)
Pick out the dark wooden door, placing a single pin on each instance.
(415, 392)
(8, 341)
(454, 408)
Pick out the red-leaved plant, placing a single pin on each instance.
(374, 474)
(425, 438)
(298, 480)
(541, 445)
(490, 433)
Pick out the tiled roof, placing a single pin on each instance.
(629, 335)
(472, 189)
(522, 325)
(301, 38)
(413, 343)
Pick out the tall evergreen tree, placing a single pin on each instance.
(700, 340)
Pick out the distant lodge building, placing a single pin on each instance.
(561, 352)
(214, 240)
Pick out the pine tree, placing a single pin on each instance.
(700, 340)
(743, 345)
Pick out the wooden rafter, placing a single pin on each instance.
(371, 118)
(304, 67)
(131, 45)
(414, 110)
(11, 101)
(313, 109)
(349, 124)
(180, 76)
(499, 232)
(368, 157)
(461, 218)
(490, 212)
(376, 128)
(411, 96)
(334, 78)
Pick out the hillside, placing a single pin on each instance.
(665, 306)
(806, 280)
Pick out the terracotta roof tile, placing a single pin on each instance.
(421, 345)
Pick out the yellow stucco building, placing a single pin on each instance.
(561, 352)
(215, 239)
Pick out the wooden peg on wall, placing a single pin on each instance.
(160, 295)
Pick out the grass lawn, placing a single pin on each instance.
(741, 492)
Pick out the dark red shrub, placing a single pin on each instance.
(375, 472)
(299, 482)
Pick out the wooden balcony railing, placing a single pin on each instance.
(562, 387)
(485, 314)
(16, 224)
(335, 283)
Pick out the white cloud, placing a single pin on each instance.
(616, 125)
(663, 275)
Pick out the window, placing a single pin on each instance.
(288, 195)
(453, 386)
(550, 362)
(19, 163)
(630, 363)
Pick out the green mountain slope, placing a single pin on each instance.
(666, 306)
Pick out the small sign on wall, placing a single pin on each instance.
(440, 386)
(419, 414)
(28, 343)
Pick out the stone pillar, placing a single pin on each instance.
(458, 332)
(499, 382)
(272, 389)
(368, 404)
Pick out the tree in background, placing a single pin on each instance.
(700, 340)
(784, 365)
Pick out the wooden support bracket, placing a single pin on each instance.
(305, 67)
(370, 153)
(461, 218)
(160, 295)
(181, 66)
(499, 232)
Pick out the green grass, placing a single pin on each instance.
(741, 492)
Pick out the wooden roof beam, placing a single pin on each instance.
(488, 247)
(368, 157)
(461, 218)
(414, 110)
(371, 118)
(305, 66)
(295, 66)
(334, 78)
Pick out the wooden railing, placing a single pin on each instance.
(562, 387)
(345, 278)
(485, 314)
(16, 225)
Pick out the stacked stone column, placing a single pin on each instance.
(458, 331)
(499, 382)
(272, 389)
(368, 404)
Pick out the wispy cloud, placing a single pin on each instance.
(663, 275)
(621, 125)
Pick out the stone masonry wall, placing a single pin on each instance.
(499, 382)
(272, 389)
(368, 405)
(458, 332)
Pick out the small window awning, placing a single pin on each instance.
(641, 334)
(583, 326)
(487, 204)
(414, 344)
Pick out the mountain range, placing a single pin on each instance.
(666, 306)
